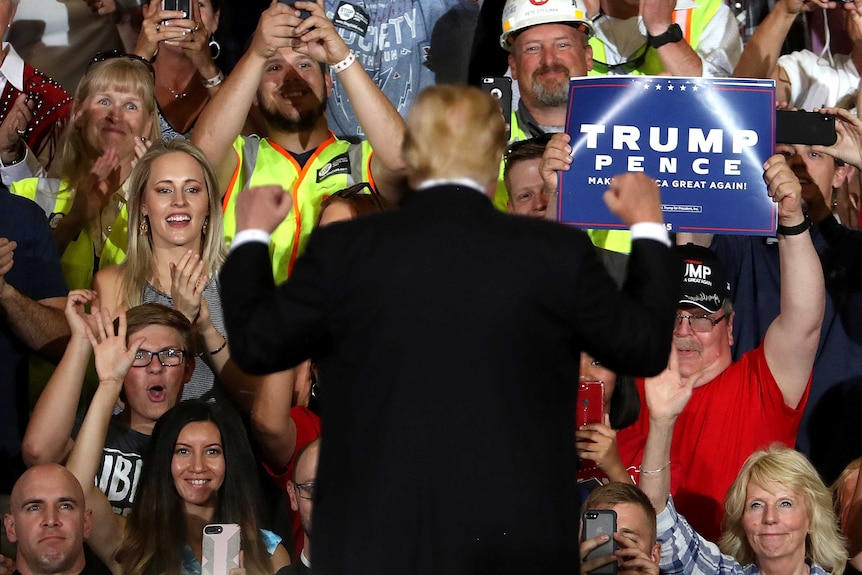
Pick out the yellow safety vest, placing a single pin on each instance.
(55, 197)
(693, 22)
(335, 165)
(613, 240)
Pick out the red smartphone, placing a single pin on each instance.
(591, 403)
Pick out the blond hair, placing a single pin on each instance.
(140, 266)
(123, 74)
(779, 464)
(454, 132)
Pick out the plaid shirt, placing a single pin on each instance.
(683, 550)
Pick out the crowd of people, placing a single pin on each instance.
(318, 285)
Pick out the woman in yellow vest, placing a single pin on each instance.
(175, 250)
(113, 118)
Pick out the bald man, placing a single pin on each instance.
(301, 491)
(48, 522)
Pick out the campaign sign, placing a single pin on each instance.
(704, 140)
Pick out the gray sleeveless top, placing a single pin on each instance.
(202, 383)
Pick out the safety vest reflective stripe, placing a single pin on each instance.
(335, 165)
(55, 197)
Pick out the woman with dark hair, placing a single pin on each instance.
(183, 50)
(597, 442)
(199, 470)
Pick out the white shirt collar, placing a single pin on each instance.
(466, 182)
(13, 67)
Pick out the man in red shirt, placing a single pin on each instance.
(736, 407)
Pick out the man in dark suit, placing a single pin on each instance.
(448, 337)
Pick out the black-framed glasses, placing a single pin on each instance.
(305, 490)
(699, 323)
(169, 357)
(626, 67)
(114, 54)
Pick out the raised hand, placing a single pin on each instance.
(188, 280)
(667, 394)
(634, 197)
(159, 26)
(113, 356)
(80, 322)
(318, 37)
(262, 208)
(14, 127)
(784, 189)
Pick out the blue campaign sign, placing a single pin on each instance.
(704, 140)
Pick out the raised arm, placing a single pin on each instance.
(48, 436)
(271, 421)
(792, 339)
(667, 395)
(223, 118)
(39, 325)
(113, 360)
(760, 57)
(383, 125)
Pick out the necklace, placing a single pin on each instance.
(177, 95)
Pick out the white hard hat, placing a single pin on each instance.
(521, 14)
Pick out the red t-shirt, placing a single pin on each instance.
(307, 430)
(725, 421)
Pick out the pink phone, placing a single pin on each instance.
(591, 403)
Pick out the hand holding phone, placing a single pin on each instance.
(598, 522)
(221, 547)
(302, 13)
(500, 88)
(591, 403)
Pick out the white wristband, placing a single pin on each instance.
(344, 64)
(214, 81)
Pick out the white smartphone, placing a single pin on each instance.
(220, 549)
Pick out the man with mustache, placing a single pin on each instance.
(737, 407)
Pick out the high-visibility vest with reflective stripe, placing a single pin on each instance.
(613, 240)
(55, 197)
(693, 22)
(335, 165)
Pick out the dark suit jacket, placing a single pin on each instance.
(448, 338)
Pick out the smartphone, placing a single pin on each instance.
(591, 403)
(220, 549)
(302, 13)
(185, 6)
(800, 127)
(601, 522)
(500, 88)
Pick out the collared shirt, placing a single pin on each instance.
(684, 550)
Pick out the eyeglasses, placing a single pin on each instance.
(114, 54)
(699, 323)
(305, 490)
(169, 357)
(623, 67)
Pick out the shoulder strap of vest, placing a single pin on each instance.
(356, 155)
(46, 194)
(250, 148)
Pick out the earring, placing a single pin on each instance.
(204, 227)
(144, 228)
(214, 46)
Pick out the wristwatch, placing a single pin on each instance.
(672, 34)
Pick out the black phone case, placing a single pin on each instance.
(808, 128)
